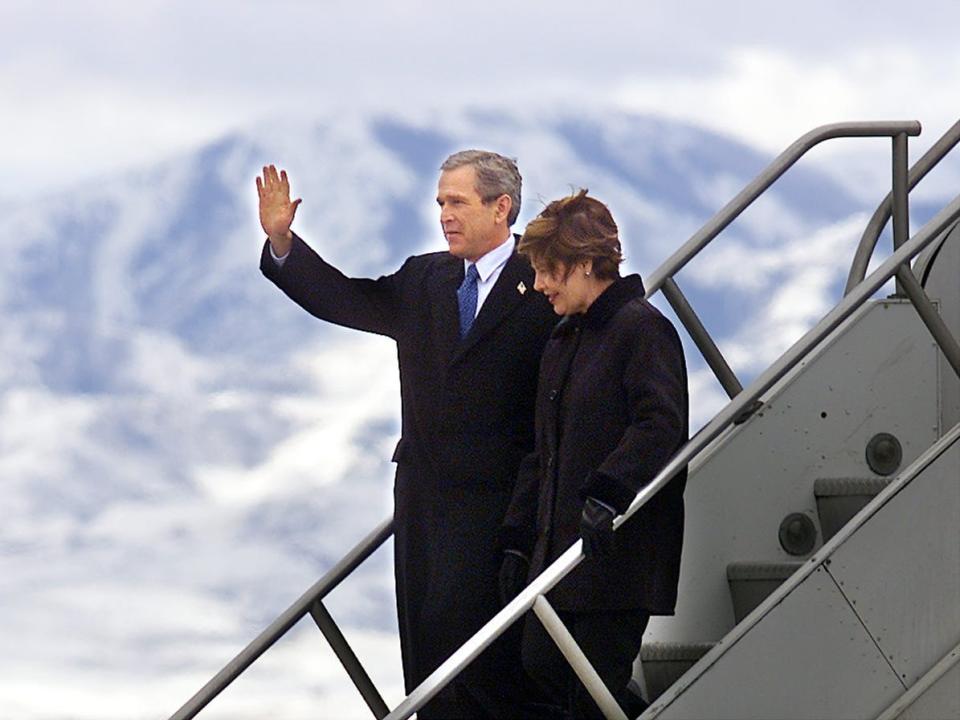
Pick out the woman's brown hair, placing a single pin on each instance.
(571, 230)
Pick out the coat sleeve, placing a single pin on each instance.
(325, 292)
(519, 526)
(655, 384)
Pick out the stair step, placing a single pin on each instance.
(664, 662)
(752, 582)
(839, 499)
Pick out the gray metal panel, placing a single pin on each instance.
(900, 570)
(791, 665)
(940, 702)
(877, 373)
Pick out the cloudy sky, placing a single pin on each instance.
(92, 87)
(89, 89)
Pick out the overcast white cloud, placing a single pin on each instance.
(92, 87)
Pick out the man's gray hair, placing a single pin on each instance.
(496, 175)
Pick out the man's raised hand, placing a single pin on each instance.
(276, 210)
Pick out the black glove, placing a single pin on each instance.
(513, 575)
(596, 529)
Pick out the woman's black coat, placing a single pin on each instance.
(611, 410)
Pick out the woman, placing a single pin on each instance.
(611, 410)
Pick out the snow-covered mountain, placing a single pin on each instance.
(183, 451)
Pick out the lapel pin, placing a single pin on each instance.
(522, 288)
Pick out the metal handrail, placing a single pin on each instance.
(924, 261)
(911, 288)
(927, 681)
(871, 234)
(290, 617)
(764, 180)
(723, 420)
(663, 277)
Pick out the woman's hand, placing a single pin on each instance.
(596, 528)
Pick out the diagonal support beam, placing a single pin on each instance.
(351, 663)
(911, 287)
(578, 661)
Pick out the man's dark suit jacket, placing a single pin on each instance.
(467, 421)
(611, 411)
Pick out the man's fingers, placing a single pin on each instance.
(275, 183)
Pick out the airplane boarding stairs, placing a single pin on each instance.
(821, 575)
(821, 566)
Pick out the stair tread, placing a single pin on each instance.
(829, 487)
(762, 570)
(674, 651)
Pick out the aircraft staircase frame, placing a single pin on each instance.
(743, 403)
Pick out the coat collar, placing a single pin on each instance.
(622, 291)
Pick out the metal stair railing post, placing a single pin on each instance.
(945, 340)
(901, 200)
(721, 421)
(290, 617)
(871, 235)
(577, 660)
(701, 337)
(663, 277)
(351, 663)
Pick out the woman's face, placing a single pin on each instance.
(569, 293)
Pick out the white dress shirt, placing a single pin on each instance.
(489, 267)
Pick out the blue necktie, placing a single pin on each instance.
(467, 299)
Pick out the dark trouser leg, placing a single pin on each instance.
(610, 640)
(492, 687)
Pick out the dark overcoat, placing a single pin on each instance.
(612, 409)
(467, 421)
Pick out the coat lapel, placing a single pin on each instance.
(515, 281)
(444, 309)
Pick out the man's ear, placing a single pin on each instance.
(504, 205)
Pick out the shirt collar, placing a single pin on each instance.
(487, 264)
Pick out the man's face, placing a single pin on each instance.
(472, 228)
